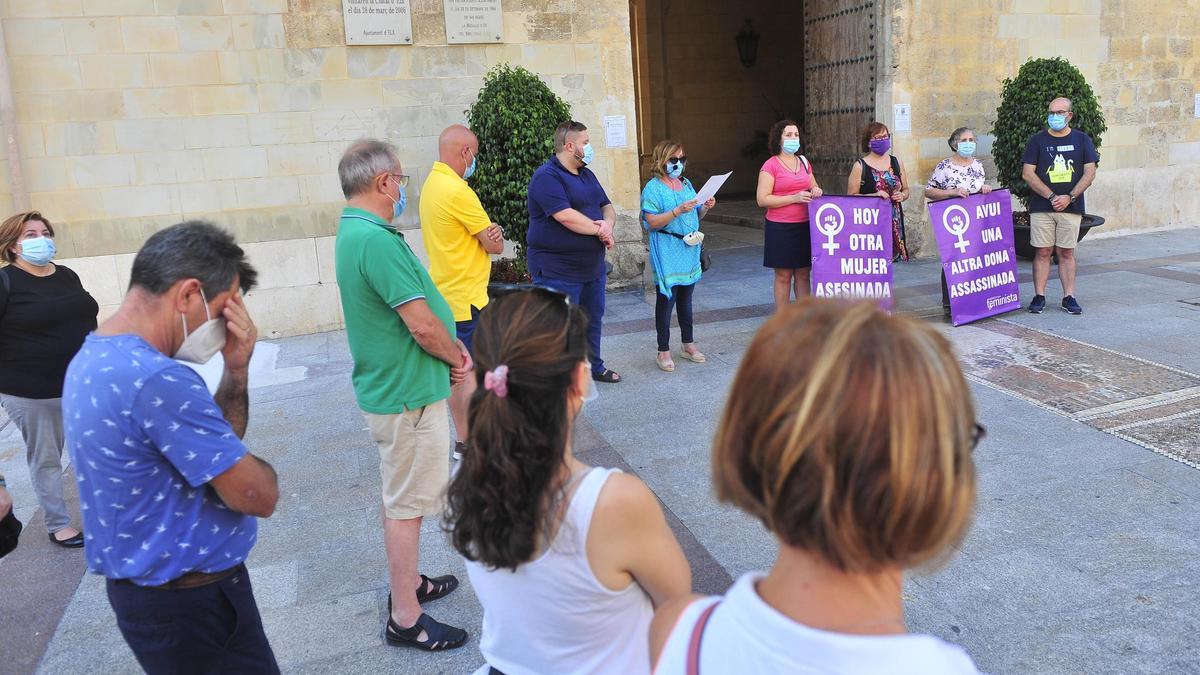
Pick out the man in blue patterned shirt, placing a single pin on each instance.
(168, 492)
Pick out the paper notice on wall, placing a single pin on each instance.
(614, 131)
(903, 118)
(1197, 112)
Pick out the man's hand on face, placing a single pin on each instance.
(240, 334)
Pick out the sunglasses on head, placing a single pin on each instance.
(977, 434)
(499, 290)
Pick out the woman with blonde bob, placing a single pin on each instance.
(859, 479)
(670, 209)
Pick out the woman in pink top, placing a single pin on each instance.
(785, 187)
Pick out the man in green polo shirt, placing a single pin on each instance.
(401, 334)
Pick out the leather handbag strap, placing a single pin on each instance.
(693, 653)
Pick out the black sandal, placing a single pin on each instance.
(607, 376)
(439, 587)
(438, 636)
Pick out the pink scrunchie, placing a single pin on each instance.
(496, 381)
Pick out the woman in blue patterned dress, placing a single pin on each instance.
(670, 212)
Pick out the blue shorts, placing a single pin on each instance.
(465, 331)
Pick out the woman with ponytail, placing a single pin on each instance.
(567, 560)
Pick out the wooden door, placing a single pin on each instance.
(840, 70)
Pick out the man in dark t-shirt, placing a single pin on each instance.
(1059, 165)
(570, 225)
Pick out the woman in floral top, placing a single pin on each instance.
(880, 173)
(958, 175)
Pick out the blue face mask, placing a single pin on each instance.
(398, 205)
(470, 169)
(966, 149)
(588, 154)
(38, 251)
(674, 169)
(791, 146)
(1056, 122)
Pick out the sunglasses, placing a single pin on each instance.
(677, 160)
(499, 290)
(977, 434)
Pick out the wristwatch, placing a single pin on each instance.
(1072, 198)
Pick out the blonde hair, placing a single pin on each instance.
(848, 432)
(11, 229)
(662, 152)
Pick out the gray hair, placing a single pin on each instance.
(564, 130)
(958, 133)
(362, 162)
(194, 249)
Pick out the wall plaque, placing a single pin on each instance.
(473, 21)
(377, 22)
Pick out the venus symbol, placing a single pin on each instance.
(830, 221)
(956, 221)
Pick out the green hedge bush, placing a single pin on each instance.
(1024, 101)
(514, 118)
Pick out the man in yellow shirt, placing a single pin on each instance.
(459, 238)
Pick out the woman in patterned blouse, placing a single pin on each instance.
(958, 175)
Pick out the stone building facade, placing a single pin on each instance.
(135, 114)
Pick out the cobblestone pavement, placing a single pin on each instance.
(1083, 556)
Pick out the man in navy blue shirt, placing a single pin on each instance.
(1060, 163)
(167, 490)
(570, 226)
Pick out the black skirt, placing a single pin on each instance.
(787, 246)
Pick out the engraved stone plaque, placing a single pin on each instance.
(377, 22)
(473, 21)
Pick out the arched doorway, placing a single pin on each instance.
(715, 75)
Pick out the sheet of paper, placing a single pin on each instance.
(1197, 111)
(710, 188)
(614, 131)
(903, 117)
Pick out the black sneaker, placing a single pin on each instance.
(1038, 304)
(1071, 305)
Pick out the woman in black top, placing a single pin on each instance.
(44, 315)
(880, 173)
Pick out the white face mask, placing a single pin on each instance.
(200, 346)
(592, 394)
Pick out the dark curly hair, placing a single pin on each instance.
(775, 137)
(501, 497)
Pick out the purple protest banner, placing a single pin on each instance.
(975, 237)
(852, 248)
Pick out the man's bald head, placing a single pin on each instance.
(1062, 101)
(457, 147)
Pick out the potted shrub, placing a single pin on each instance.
(1022, 113)
(514, 118)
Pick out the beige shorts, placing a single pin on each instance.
(1054, 228)
(414, 460)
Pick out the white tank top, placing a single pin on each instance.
(553, 616)
(745, 635)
